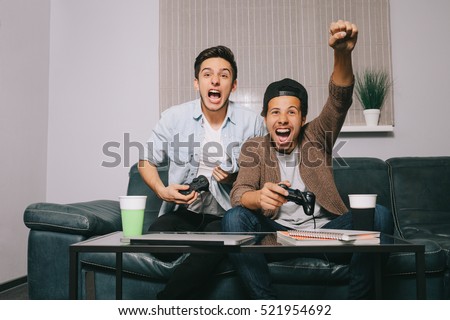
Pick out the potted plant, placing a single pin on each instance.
(371, 89)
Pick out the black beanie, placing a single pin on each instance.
(286, 87)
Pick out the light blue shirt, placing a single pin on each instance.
(176, 140)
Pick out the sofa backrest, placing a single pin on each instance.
(352, 175)
(362, 175)
(420, 189)
(137, 187)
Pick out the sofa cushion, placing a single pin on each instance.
(84, 218)
(300, 270)
(404, 263)
(426, 224)
(305, 270)
(138, 264)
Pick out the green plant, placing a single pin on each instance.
(371, 88)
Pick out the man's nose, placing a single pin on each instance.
(282, 118)
(215, 80)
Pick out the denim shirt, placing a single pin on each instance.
(176, 139)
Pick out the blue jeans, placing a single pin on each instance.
(253, 267)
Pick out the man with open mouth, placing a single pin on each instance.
(198, 138)
(296, 154)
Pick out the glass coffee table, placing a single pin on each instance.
(113, 243)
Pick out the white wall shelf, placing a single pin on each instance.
(385, 128)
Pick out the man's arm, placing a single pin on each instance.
(247, 191)
(150, 175)
(343, 38)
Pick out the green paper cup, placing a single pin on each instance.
(132, 212)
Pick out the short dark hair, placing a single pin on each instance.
(216, 52)
(286, 87)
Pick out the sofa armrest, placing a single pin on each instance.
(84, 218)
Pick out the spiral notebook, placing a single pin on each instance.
(328, 237)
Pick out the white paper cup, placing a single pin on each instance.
(132, 212)
(132, 202)
(362, 201)
(363, 210)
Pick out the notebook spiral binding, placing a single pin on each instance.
(317, 234)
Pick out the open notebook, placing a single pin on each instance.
(219, 239)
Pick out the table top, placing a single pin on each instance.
(113, 242)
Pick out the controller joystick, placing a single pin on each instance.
(200, 183)
(305, 199)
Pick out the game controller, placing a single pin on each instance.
(200, 183)
(305, 199)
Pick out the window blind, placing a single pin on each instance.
(271, 39)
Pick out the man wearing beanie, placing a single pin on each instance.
(298, 154)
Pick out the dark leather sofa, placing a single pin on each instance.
(415, 188)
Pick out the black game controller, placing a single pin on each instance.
(305, 199)
(200, 183)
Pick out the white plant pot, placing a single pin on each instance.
(371, 116)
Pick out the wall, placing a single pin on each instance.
(421, 77)
(103, 88)
(24, 54)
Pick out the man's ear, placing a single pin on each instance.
(196, 84)
(233, 88)
(303, 120)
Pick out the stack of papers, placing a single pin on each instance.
(321, 237)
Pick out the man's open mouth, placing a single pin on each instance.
(283, 135)
(214, 94)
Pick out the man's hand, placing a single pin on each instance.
(343, 36)
(172, 194)
(272, 196)
(222, 176)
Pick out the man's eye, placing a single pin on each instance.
(225, 76)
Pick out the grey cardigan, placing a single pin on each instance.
(258, 162)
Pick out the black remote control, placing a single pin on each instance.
(305, 199)
(200, 183)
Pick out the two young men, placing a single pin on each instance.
(205, 136)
